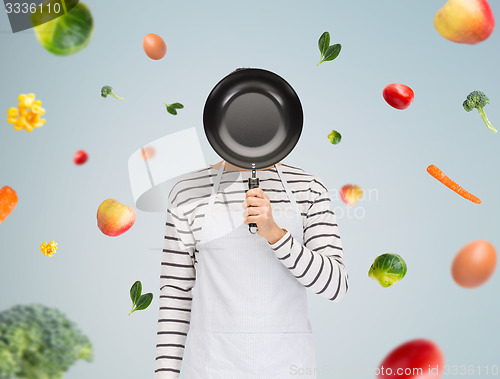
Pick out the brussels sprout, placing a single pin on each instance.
(67, 34)
(388, 269)
(334, 137)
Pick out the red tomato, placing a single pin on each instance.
(398, 95)
(80, 157)
(419, 358)
(8, 201)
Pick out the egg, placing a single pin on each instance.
(154, 46)
(474, 264)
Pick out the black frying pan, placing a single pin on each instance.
(253, 119)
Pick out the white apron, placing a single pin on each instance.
(249, 313)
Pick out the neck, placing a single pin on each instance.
(229, 167)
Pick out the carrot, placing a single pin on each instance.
(438, 174)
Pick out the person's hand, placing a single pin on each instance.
(258, 211)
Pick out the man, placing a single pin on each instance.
(242, 296)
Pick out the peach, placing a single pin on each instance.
(114, 218)
(465, 21)
(351, 193)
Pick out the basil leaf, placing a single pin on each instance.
(332, 52)
(171, 110)
(177, 105)
(135, 292)
(144, 301)
(323, 43)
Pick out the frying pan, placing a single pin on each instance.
(253, 119)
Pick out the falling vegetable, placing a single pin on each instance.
(38, 342)
(107, 90)
(28, 113)
(8, 201)
(139, 302)
(334, 137)
(465, 21)
(148, 152)
(171, 108)
(439, 175)
(328, 53)
(398, 95)
(114, 218)
(66, 34)
(415, 359)
(388, 269)
(478, 100)
(80, 157)
(351, 193)
(48, 249)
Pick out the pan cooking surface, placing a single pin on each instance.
(253, 116)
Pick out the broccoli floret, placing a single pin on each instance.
(478, 100)
(107, 90)
(37, 342)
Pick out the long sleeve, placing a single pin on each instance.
(318, 263)
(177, 279)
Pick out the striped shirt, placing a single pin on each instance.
(317, 263)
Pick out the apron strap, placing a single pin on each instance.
(215, 188)
(287, 189)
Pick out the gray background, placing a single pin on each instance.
(384, 150)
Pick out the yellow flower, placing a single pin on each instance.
(48, 249)
(27, 114)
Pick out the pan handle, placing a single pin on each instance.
(253, 182)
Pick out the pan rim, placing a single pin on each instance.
(283, 149)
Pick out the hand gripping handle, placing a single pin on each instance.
(253, 182)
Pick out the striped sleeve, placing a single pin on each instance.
(177, 279)
(318, 264)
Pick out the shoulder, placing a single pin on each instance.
(302, 180)
(191, 186)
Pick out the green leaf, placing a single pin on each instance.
(323, 43)
(170, 109)
(177, 105)
(332, 52)
(144, 301)
(135, 292)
